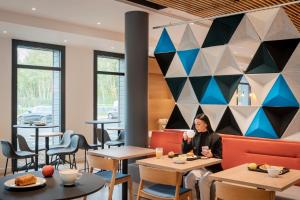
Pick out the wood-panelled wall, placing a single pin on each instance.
(160, 100)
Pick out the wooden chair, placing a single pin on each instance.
(110, 174)
(227, 191)
(166, 185)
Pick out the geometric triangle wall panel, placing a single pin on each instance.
(199, 85)
(293, 65)
(281, 28)
(293, 81)
(188, 58)
(176, 120)
(201, 67)
(213, 94)
(293, 129)
(228, 124)
(261, 126)
(281, 95)
(213, 56)
(176, 69)
(188, 40)
(188, 112)
(164, 44)
(280, 117)
(222, 30)
(214, 113)
(244, 115)
(187, 94)
(227, 64)
(228, 85)
(176, 85)
(164, 60)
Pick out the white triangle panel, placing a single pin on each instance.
(293, 65)
(200, 32)
(293, 130)
(188, 112)
(282, 28)
(244, 115)
(200, 67)
(293, 80)
(188, 40)
(245, 31)
(175, 33)
(260, 86)
(213, 56)
(227, 64)
(176, 68)
(214, 113)
(187, 94)
(262, 20)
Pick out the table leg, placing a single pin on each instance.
(125, 185)
(47, 148)
(95, 134)
(102, 136)
(36, 164)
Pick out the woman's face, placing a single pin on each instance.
(200, 125)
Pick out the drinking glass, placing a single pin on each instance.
(159, 152)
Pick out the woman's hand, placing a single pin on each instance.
(186, 138)
(207, 153)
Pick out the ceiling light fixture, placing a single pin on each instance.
(4, 32)
(33, 9)
(99, 23)
(65, 41)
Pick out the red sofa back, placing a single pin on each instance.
(170, 140)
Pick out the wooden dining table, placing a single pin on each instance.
(241, 175)
(123, 154)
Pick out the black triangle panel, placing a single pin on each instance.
(280, 117)
(176, 86)
(164, 60)
(281, 50)
(199, 111)
(199, 84)
(262, 62)
(176, 120)
(228, 85)
(228, 124)
(222, 30)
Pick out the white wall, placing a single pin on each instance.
(79, 91)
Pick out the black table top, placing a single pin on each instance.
(34, 126)
(87, 184)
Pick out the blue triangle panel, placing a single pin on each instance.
(164, 44)
(188, 58)
(213, 94)
(261, 127)
(280, 95)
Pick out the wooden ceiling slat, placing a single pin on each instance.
(210, 8)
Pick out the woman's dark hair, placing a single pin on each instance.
(204, 118)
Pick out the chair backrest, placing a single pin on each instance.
(102, 163)
(155, 175)
(122, 136)
(74, 143)
(7, 149)
(83, 144)
(23, 145)
(105, 134)
(227, 191)
(66, 139)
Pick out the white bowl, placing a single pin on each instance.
(179, 160)
(273, 171)
(69, 176)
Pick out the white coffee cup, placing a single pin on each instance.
(190, 133)
(273, 171)
(69, 176)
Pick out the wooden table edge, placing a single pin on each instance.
(120, 158)
(140, 162)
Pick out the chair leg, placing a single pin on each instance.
(110, 191)
(74, 160)
(5, 166)
(70, 162)
(26, 164)
(130, 189)
(85, 160)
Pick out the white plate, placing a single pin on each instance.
(177, 161)
(11, 183)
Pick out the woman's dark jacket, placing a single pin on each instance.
(212, 140)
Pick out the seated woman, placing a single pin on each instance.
(204, 137)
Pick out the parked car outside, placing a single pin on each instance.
(38, 113)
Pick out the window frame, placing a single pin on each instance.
(96, 73)
(15, 44)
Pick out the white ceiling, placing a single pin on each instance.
(80, 15)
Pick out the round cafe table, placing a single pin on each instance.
(54, 189)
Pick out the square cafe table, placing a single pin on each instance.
(168, 163)
(241, 175)
(123, 154)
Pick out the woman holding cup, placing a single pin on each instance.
(204, 143)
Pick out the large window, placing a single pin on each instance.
(38, 90)
(109, 88)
